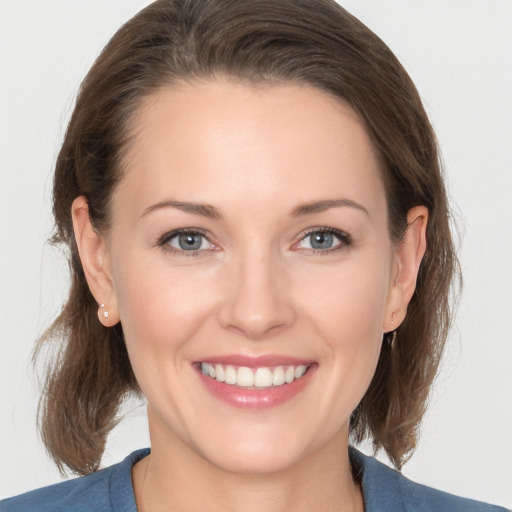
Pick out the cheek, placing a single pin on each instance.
(349, 302)
(348, 315)
(160, 308)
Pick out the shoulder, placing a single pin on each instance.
(109, 489)
(421, 497)
(386, 489)
(86, 493)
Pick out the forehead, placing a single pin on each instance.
(220, 140)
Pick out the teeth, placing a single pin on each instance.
(230, 375)
(263, 378)
(253, 378)
(245, 377)
(219, 373)
(278, 377)
(300, 371)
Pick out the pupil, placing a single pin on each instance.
(321, 241)
(190, 242)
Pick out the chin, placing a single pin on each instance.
(256, 452)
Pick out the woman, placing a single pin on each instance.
(259, 243)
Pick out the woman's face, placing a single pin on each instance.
(249, 243)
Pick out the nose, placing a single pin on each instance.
(258, 301)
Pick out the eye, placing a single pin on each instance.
(182, 241)
(324, 240)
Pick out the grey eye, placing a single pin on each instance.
(324, 240)
(321, 240)
(188, 242)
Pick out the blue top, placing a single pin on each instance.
(111, 490)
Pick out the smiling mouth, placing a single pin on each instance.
(254, 378)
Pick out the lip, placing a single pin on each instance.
(256, 399)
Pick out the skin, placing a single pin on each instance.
(256, 154)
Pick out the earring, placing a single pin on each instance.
(390, 336)
(105, 313)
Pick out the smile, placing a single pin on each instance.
(255, 378)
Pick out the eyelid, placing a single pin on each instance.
(181, 231)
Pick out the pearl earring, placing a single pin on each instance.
(391, 336)
(105, 313)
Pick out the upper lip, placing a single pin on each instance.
(256, 361)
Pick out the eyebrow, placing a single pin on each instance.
(205, 210)
(210, 212)
(321, 206)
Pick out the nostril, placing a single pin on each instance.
(255, 329)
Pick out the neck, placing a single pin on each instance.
(175, 477)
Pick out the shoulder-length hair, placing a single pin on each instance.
(312, 42)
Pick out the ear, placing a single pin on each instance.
(408, 255)
(94, 255)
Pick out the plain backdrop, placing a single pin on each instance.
(458, 52)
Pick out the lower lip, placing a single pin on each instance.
(246, 398)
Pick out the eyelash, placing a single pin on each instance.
(344, 238)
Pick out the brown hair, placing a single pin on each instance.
(311, 42)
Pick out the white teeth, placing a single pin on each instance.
(245, 377)
(253, 378)
(263, 378)
(300, 371)
(219, 373)
(230, 375)
(278, 376)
